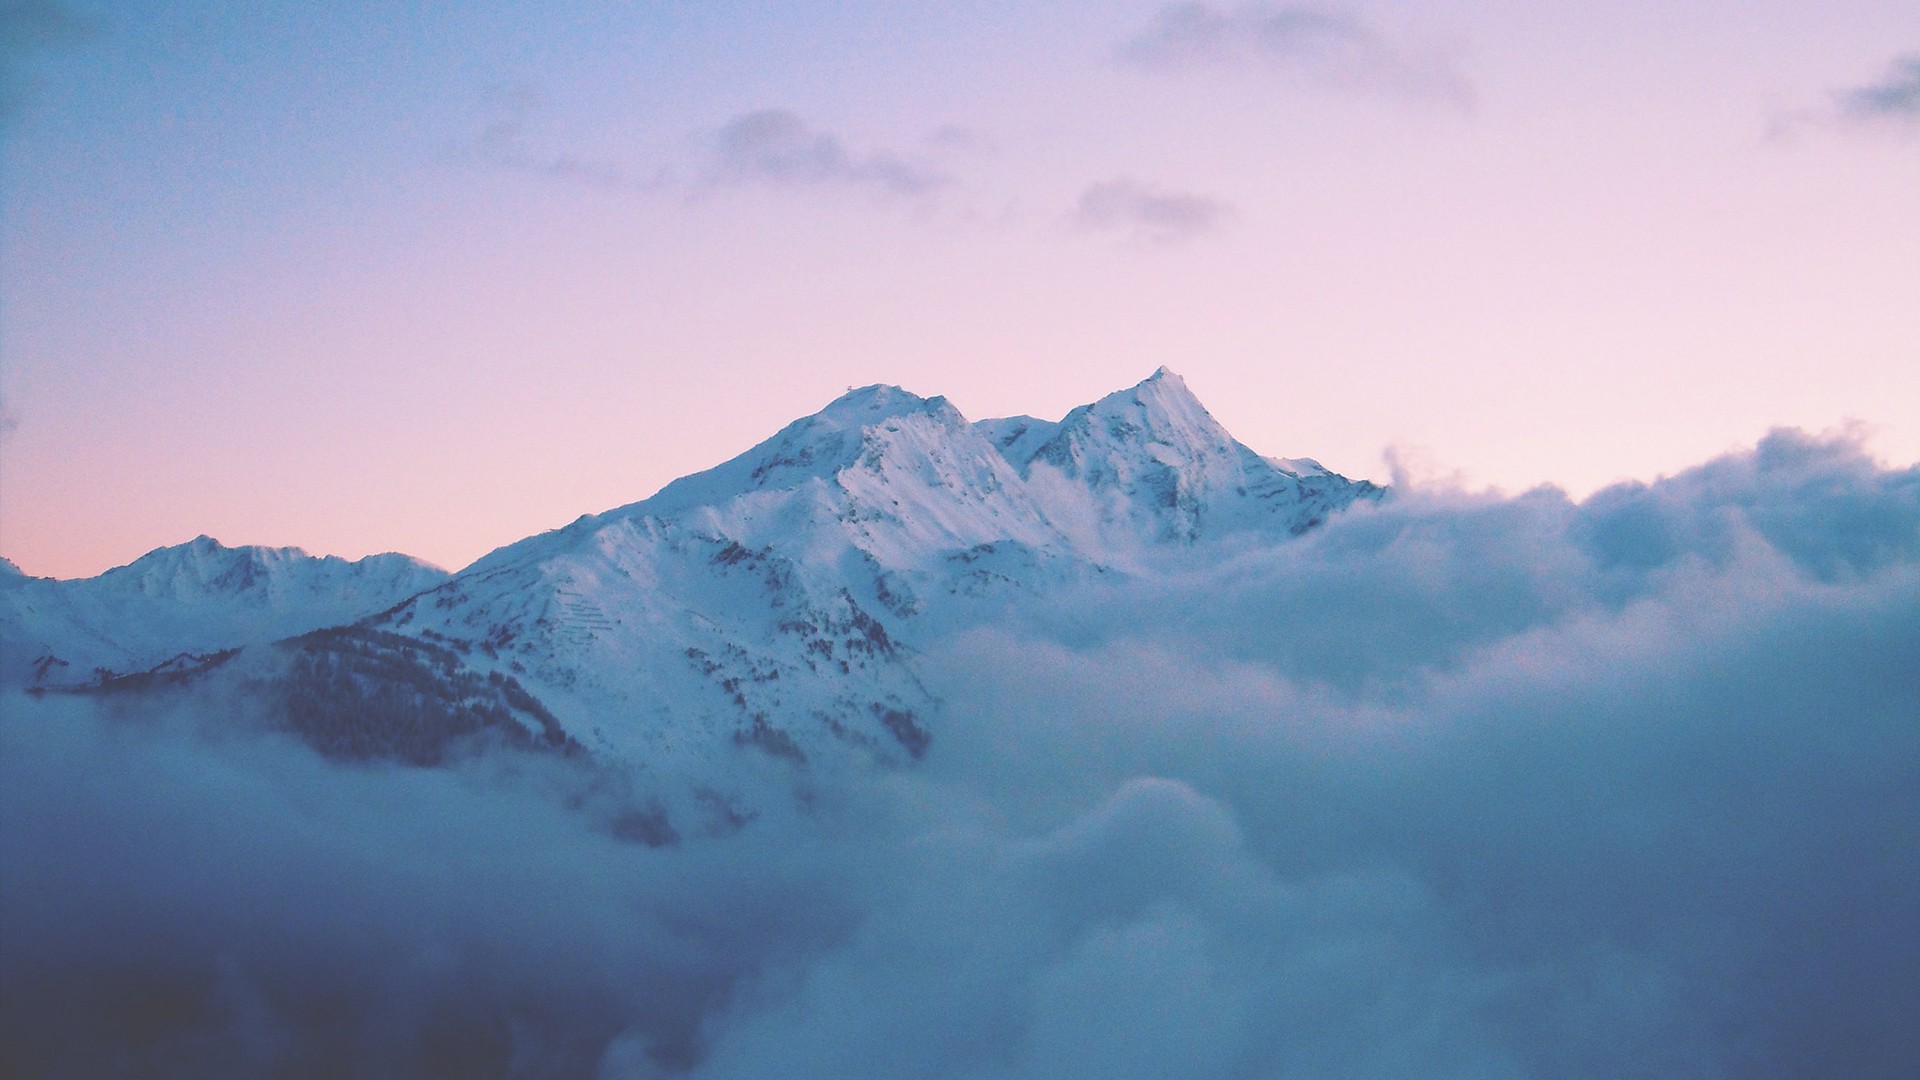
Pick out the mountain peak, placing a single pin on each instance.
(866, 404)
(1160, 465)
(813, 448)
(200, 596)
(900, 475)
(1158, 415)
(204, 551)
(205, 547)
(204, 567)
(1163, 380)
(1169, 412)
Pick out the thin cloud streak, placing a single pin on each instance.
(508, 141)
(1895, 96)
(773, 148)
(1322, 47)
(1890, 103)
(777, 147)
(503, 145)
(1146, 214)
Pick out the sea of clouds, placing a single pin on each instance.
(1457, 786)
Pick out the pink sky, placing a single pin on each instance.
(326, 278)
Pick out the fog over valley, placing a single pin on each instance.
(1116, 750)
(1121, 540)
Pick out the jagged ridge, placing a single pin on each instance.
(769, 606)
(196, 597)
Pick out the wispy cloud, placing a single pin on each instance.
(959, 138)
(1888, 103)
(1147, 214)
(1325, 47)
(1195, 34)
(778, 147)
(1895, 96)
(772, 148)
(509, 140)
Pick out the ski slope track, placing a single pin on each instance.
(760, 615)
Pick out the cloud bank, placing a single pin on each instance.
(1455, 786)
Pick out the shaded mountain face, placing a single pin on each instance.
(767, 607)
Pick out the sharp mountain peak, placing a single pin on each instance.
(773, 601)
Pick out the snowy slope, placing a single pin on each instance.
(886, 476)
(196, 597)
(773, 602)
(1151, 464)
(757, 618)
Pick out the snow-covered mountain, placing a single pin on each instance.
(1150, 463)
(193, 598)
(764, 611)
(774, 601)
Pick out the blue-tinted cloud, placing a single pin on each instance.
(768, 147)
(1894, 96)
(1147, 214)
(1322, 46)
(1890, 103)
(510, 138)
(777, 147)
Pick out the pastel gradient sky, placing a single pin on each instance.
(431, 277)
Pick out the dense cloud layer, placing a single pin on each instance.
(1457, 786)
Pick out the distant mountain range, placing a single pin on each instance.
(194, 598)
(768, 605)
